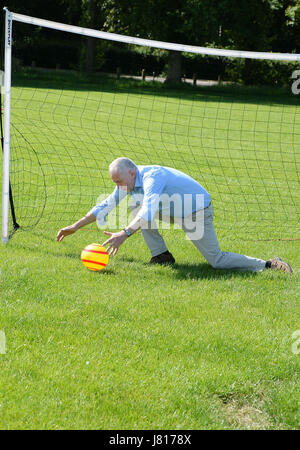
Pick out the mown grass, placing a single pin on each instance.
(145, 347)
(142, 347)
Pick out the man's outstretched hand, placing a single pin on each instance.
(114, 242)
(64, 232)
(87, 219)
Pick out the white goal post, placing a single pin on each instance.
(10, 17)
(6, 126)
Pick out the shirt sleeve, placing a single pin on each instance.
(153, 185)
(101, 210)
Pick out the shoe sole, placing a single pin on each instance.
(281, 265)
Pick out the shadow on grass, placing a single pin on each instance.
(196, 271)
(178, 271)
(68, 80)
(205, 271)
(127, 259)
(106, 272)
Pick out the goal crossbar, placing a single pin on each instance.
(153, 43)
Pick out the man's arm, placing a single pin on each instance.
(99, 212)
(106, 206)
(88, 218)
(117, 239)
(153, 186)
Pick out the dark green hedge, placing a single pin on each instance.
(70, 54)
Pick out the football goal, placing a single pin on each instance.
(61, 130)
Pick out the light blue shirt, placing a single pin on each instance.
(158, 188)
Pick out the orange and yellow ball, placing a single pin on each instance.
(94, 257)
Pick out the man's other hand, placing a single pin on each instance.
(64, 232)
(114, 242)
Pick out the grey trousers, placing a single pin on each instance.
(207, 244)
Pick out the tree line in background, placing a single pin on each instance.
(256, 25)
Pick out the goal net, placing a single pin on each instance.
(61, 131)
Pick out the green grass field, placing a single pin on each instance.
(141, 347)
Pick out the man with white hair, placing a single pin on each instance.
(152, 188)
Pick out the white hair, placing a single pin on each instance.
(122, 165)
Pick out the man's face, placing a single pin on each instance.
(124, 181)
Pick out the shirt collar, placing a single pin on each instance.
(138, 180)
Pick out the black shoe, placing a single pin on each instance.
(163, 258)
